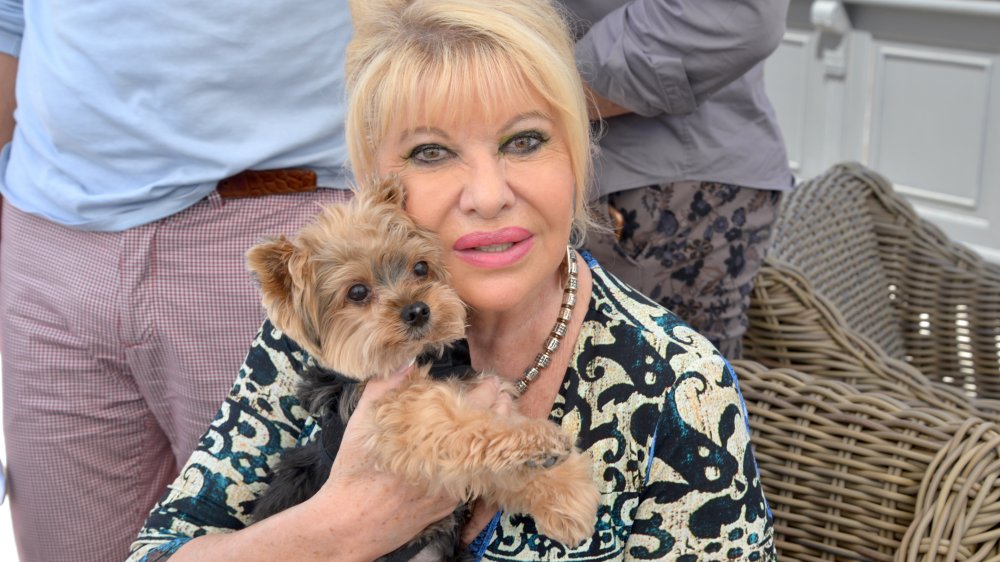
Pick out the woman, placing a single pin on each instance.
(478, 108)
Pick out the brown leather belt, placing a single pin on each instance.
(258, 183)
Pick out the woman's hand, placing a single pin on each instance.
(387, 511)
(384, 511)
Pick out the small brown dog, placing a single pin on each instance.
(362, 289)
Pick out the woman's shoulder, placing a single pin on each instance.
(273, 364)
(269, 380)
(637, 322)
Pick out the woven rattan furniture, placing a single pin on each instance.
(872, 378)
(857, 287)
(858, 475)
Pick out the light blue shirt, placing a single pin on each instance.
(130, 111)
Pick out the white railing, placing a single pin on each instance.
(964, 7)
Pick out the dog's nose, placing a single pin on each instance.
(415, 314)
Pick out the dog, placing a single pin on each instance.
(363, 290)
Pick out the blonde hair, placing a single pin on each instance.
(443, 53)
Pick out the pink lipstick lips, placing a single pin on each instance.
(496, 249)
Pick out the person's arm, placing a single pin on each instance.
(8, 73)
(702, 481)
(11, 29)
(359, 514)
(667, 56)
(601, 107)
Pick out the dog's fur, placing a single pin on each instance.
(362, 289)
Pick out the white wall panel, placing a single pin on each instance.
(907, 87)
(928, 127)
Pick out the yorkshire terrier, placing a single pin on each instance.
(363, 290)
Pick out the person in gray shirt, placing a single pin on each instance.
(691, 162)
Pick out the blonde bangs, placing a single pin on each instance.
(454, 85)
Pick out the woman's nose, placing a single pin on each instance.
(487, 191)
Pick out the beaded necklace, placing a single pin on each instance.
(558, 330)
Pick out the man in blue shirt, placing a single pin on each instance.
(154, 143)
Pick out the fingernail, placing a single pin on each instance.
(404, 368)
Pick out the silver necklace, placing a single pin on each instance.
(558, 330)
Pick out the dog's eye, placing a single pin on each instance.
(420, 269)
(357, 293)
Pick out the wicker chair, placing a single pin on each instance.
(857, 283)
(871, 374)
(855, 475)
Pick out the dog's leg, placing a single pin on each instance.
(563, 500)
(428, 432)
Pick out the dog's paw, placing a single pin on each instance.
(565, 528)
(569, 513)
(553, 446)
(552, 454)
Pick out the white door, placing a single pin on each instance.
(909, 88)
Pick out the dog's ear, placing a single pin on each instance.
(271, 264)
(268, 261)
(285, 279)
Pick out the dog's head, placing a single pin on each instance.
(361, 288)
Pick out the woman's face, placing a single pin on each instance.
(497, 187)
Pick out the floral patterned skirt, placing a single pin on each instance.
(694, 247)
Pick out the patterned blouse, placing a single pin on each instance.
(651, 401)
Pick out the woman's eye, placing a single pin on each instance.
(524, 143)
(357, 293)
(429, 153)
(420, 269)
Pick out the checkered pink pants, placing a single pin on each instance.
(117, 350)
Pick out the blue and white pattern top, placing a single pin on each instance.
(656, 407)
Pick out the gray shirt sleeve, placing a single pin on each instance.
(667, 56)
